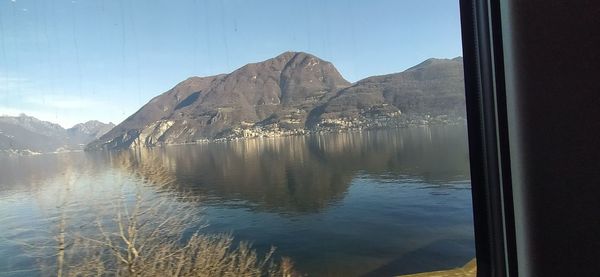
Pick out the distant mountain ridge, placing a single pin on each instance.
(433, 88)
(86, 132)
(293, 93)
(28, 135)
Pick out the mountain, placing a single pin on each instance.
(293, 93)
(433, 89)
(35, 125)
(84, 133)
(27, 135)
(282, 89)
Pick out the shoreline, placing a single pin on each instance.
(304, 133)
(249, 136)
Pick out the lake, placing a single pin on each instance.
(371, 203)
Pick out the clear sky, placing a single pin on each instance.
(69, 61)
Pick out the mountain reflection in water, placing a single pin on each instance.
(305, 174)
(373, 202)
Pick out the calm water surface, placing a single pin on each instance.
(374, 203)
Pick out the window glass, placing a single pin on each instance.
(155, 138)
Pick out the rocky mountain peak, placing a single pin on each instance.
(89, 130)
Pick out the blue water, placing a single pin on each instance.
(374, 203)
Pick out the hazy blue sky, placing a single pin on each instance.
(72, 61)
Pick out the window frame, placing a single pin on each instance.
(485, 95)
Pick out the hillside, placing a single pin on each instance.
(28, 135)
(293, 93)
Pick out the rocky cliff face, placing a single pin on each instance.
(293, 93)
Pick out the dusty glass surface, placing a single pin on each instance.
(333, 131)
